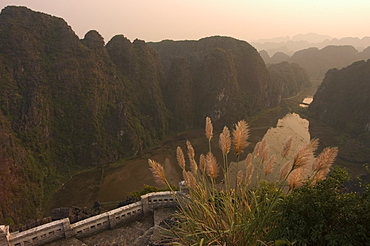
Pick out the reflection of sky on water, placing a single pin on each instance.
(307, 100)
(291, 125)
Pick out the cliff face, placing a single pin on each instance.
(225, 79)
(67, 103)
(343, 102)
(289, 78)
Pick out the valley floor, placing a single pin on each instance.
(113, 183)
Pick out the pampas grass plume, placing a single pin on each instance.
(240, 136)
(180, 157)
(212, 166)
(202, 163)
(325, 159)
(189, 179)
(262, 147)
(303, 155)
(191, 152)
(256, 149)
(269, 165)
(249, 168)
(158, 172)
(285, 170)
(265, 153)
(191, 155)
(225, 141)
(209, 129)
(239, 178)
(287, 147)
(296, 178)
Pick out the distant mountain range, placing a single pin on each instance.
(318, 61)
(290, 45)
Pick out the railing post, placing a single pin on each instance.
(4, 235)
(183, 188)
(112, 220)
(145, 203)
(68, 232)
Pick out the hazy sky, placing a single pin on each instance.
(155, 20)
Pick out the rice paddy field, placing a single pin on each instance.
(113, 183)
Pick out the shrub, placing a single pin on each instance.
(326, 214)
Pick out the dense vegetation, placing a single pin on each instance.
(67, 104)
(342, 101)
(326, 214)
(226, 79)
(288, 78)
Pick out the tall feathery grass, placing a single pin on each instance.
(242, 208)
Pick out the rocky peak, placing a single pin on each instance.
(93, 40)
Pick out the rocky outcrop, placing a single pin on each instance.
(139, 68)
(342, 101)
(66, 104)
(288, 78)
(225, 79)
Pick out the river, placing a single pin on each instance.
(113, 183)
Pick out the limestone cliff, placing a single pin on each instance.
(68, 104)
(343, 102)
(226, 79)
(289, 78)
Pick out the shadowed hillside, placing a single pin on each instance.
(342, 101)
(317, 62)
(227, 79)
(69, 104)
(288, 78)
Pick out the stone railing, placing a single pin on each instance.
(64, 229)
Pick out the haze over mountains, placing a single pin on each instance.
(318, 61)
(289, 45)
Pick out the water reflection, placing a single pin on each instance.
(306, 102)
(292, 125)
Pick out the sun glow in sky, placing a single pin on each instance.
(156, 20)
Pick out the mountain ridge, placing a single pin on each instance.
(70, 103)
